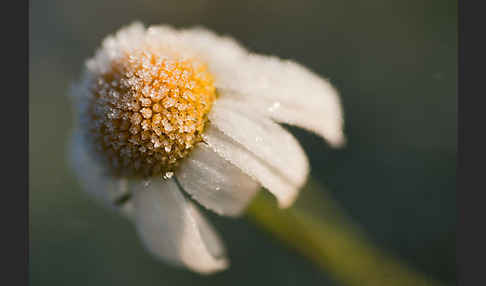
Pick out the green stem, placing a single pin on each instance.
(317, 229)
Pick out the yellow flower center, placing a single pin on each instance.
(148, 111)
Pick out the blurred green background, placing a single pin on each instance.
(394, 63)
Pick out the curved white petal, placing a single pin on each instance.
(221, 53)
(216, 183)
(282, 112)
(92, 177)
(289, 93)
(271, 178)
(173, 230)
(262, 137)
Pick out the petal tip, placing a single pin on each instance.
(215, 267)
(286, 202)
(339, 141)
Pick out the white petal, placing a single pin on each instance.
(281, 112)
(264, 138)
(271, 178)
(173, 230)
(92, 177)
(214, 182)
(219, 52)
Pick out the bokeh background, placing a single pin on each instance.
(394, 63)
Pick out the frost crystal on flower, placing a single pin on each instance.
(162, 111)
(138, 116)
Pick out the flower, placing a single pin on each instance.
(162, 110)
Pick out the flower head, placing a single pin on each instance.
(163, 111)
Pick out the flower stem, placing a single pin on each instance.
(320, 231)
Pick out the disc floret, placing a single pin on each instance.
(147, 112)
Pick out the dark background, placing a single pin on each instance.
(395, 65)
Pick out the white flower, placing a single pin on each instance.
(162, 110)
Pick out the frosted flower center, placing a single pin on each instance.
(148, 111)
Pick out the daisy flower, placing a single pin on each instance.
(169, 117)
